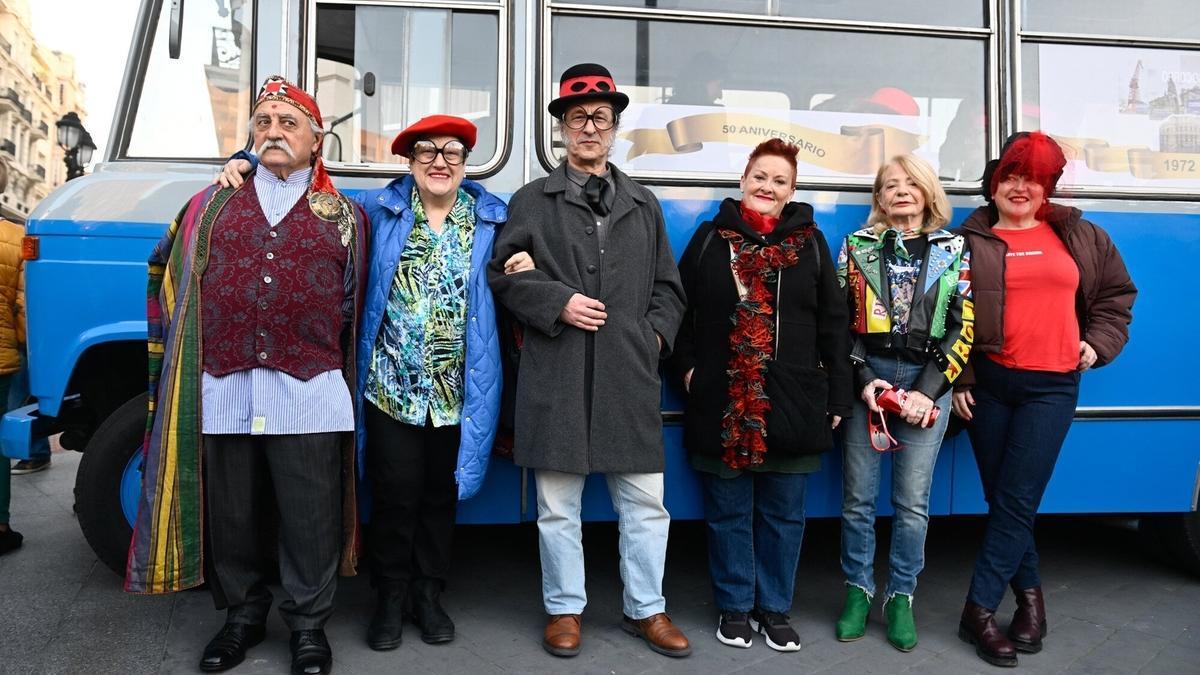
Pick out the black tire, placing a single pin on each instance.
(1173, 537)
(98, 483)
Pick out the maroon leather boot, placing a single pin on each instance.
(1028, 625)
(978, 627)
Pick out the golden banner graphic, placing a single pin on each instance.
(856, 150)
(1138, 160)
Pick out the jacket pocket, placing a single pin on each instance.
(797, 423)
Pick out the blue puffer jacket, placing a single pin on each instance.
(391, 222)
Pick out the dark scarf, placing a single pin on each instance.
(594, 192)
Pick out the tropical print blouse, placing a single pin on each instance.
(417, 366)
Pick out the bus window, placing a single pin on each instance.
(703, 94)
(1151, 19)
(944, 13)
(1128, 121)
(381, 68)
(197, 106)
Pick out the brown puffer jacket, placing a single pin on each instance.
(1103, 302)
(12, 297)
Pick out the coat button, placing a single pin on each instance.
(270, 256)
(262, 305)
(589, 229)
(267, 280)
(591, 269)
(274, 233)
(262, 355)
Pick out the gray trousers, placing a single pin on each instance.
(301, 474)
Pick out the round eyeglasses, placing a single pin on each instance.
(602, 118)
(425, 152)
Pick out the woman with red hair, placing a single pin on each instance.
(1052, 299)
(763, 355)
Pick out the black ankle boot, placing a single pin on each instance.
(1028, 625)
(386, 625)
(436, 627)
(978, 627)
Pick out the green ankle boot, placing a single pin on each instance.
(853, 624)
(902, 629)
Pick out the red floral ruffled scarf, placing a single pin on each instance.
(752, 340)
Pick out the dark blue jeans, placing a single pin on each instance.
(1021, 420)
(755, 528)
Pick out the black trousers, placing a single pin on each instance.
(414, 497)
(301, 474)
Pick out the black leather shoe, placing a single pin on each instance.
(436, 626)
(228, 647)
(386, 625)
(311, 654)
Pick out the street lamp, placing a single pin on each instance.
(76, 143)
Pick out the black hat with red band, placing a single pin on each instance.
(586, 82)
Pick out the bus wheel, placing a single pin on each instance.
(109, 481)
(1174, 536)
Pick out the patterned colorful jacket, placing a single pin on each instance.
(941, 321)
(166, 553)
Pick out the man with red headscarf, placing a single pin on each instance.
(253, 301)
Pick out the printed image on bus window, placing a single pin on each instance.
(206, 91)
(933, 13)
(1127, 117)
(380, 69)
(702, 96)
(1151, 18)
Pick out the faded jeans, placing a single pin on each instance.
(643, 525)
(912, 476)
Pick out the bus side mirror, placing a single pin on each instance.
(175, 37)
(369, 84)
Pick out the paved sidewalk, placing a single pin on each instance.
(1111, 610)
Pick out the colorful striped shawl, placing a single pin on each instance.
(166, 553)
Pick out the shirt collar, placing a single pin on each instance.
(460, 214)
(580, 177)
(298, 177)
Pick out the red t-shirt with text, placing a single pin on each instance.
(1041, 331)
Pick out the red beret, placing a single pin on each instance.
(435, 125)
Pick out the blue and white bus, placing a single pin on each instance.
(851, 81)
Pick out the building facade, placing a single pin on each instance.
(37, 87)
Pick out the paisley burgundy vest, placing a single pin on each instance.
(272, 296)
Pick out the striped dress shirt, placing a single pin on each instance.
(269, 401)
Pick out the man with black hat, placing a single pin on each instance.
(253, 298)
(600, 310)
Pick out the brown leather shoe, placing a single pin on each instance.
(562, 635)
(1028, 625)
(658, 632)
(978, 627)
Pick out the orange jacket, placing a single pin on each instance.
(12, 297)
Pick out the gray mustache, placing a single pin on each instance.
(278, 143)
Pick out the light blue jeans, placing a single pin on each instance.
(643, 525)
(912, 475)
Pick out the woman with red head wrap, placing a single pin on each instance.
(1052, 299)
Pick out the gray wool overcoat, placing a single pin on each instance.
(589, 401)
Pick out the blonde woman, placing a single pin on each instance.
(907, 285)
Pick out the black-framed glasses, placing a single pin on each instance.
(453, 152)
(603, 118)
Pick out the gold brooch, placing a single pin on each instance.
(324, 205)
